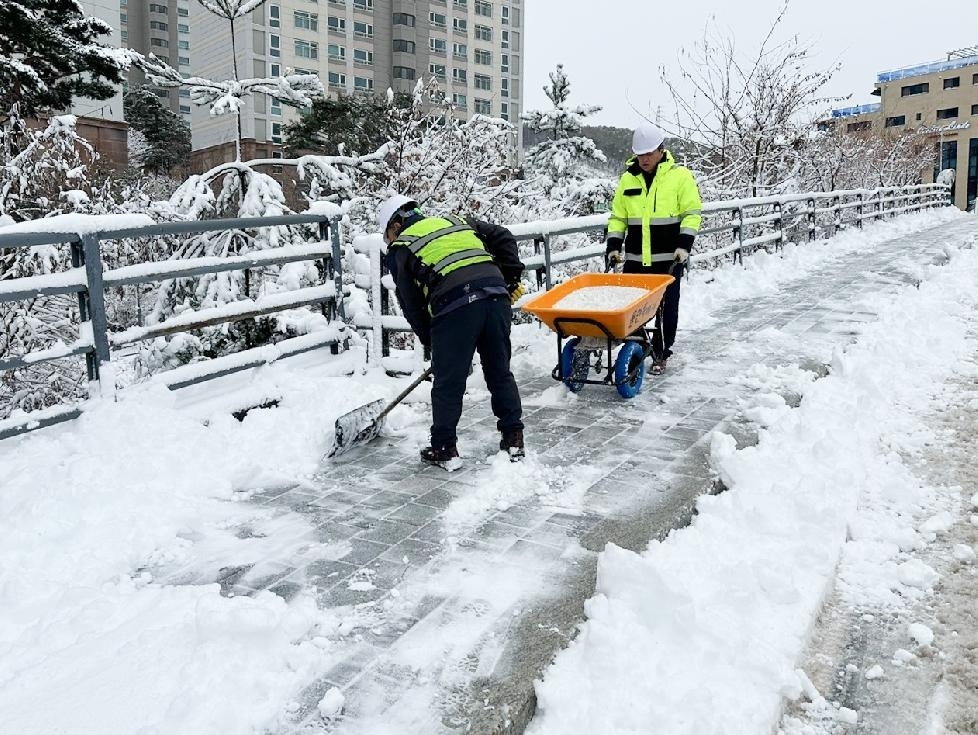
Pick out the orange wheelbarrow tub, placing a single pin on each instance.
(596, 332)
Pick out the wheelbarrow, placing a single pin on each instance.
(598, 322)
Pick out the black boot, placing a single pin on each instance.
(512, 442)
(444, 457)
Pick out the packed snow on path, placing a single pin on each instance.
(95, 516)
(701, 634)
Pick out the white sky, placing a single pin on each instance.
(612, 49)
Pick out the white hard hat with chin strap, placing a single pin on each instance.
(647, 138)
(392, 206)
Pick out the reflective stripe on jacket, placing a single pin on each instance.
(443, 244)
(654, 221)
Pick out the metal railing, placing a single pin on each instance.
(89, 280)
(730, 228)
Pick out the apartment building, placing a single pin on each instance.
(939, 100)
(161, 27)
(474, 48)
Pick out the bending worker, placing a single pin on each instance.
(654, 218)
(455, 280)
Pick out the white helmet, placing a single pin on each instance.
(647, 138)
(392, 206)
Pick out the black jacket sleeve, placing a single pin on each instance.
(401, 264)
(502, 246)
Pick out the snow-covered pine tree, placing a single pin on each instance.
(559, 165)
(50, 54)
(166, 136)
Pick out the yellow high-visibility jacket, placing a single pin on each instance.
(652, 221)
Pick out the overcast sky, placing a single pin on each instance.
(612, 49)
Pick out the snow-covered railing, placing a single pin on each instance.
(88, 280)
(730, 228)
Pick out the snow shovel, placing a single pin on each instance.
(361, 425)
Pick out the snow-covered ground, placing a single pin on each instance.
(702, 633)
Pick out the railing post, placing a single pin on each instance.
(77, 261)
(859, 211)
(812, 221)
(337, 264)
(779, 224)
(836, 215)
(548, 277)
(537, 249)
(98, 318)
(737, 233)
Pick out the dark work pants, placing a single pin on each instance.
(483, 325)
(669, 312)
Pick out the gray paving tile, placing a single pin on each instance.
(388, 532)
(413, 513)
(411, 551)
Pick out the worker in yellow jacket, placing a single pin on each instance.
(654, 218)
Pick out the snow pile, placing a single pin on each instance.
(700, 634)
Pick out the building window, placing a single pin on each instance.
(159, 42)
(952, 82)
(336, 79)
(437, 45)
(505, 15)
(972, 173)
(974, 109)
(974, 78)
(403, 72)
(183, 28)
(274, 45)
(504, 65)
(274, 16)
(460, 3)
(947, 113)
(483, 33)
(460, 75)
(505, 40)
(483, 82)
(307, 49)
(438, 20)
(184, 109)
(402, 46)
(274, 70)
(154, 8)
(483, 107)
(336, 23)
(367, 5)
(341, 3)
(403, 19)
(276, 107)
(504, 87)
(483, 57)
(892, 122)
(437, 71)
(460, 50)
(483, 8)
(183, 45)
(183, 12)
(918, 116)
(504, 110)
(460, 24)
(858, 126)
(922, 88)
(364, 30)
(183, 60)
(363, 84)
(276, 132)
(336, 52)
(459, 101)
(362, 56)
(124, 35)
(158, 26)
(309, 21)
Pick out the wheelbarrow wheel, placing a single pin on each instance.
(630, 369)
(574, 364)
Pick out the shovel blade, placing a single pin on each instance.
(357, 427)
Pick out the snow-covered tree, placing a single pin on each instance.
(165, 137)
(559, 164)
(747, 117)
(50, 53)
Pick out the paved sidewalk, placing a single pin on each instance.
(451, 618)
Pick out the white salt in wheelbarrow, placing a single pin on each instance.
(595, 313)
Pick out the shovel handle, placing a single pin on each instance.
(404, 393)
